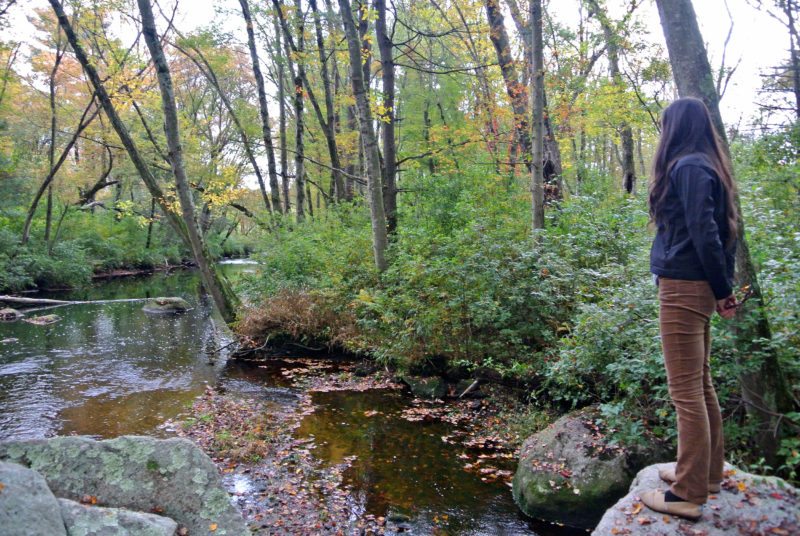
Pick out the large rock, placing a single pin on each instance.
(82, 520)
(169, 476)
(747, 504)
(27, 506)
(569, 474)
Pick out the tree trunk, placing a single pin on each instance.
(537, 88)
(517, 92)
(263, 109)
(82, 124)
(370, 144)
(282, 53)
(329, 125)
(299, 128)
(765, 389)
(625, 133)
(223, 296)
(216, 284)
(325, 121)
(387, 119)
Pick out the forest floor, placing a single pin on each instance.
(278, 483)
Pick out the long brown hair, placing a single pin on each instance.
(686, 128)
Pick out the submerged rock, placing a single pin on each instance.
(81, 520)
(746, 504)
(568, 474)
(170, 476)
(27, 506)
(166, 305)
(44, 320)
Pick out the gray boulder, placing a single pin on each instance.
(747, 504)
(82, 520)
(27, 506)
(170, 476)
(569, 474)
(166, 305)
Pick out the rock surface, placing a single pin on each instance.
(170, 476)
(569, 474)
(166, 305)
(746, 505)
(81, 520)
(27, 506)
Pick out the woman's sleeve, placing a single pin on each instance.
(696, 189)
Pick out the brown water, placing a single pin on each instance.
(111, 369)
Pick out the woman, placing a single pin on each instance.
(692, 257)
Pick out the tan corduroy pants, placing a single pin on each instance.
(685, 311)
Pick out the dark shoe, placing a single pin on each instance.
(655, 500)
(667, 474)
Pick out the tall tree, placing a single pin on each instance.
(612, 40)
(368, 141)
(387, 117)
(185, 226)
(266, 131)
(537, 90)
(764, 389)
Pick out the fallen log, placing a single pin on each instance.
(44, 301)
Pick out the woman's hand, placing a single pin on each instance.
(726, 307)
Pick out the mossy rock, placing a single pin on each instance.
(568, 473)
(166, 305)
(171, 476)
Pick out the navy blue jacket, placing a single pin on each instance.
(693, 232)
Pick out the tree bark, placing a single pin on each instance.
(266, 132)
(282, 53)
(537, 88)
(517, 92)
(370, 144)
(765, 390)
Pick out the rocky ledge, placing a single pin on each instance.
(123, 483)
(747, 505)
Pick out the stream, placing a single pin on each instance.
(106, 370)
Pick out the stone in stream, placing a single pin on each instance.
(82, 520)
(746, 504)
(165, 305)
(170, 476)
(27, 506)
(567, 473)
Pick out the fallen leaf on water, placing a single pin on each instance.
(212, 526)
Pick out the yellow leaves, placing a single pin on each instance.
(637, 507)
(212, 527)
(741, 486)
